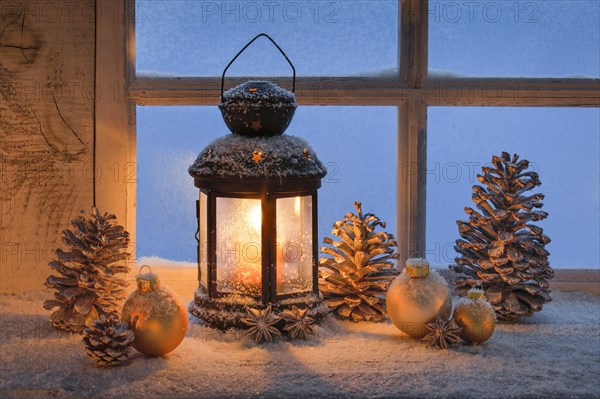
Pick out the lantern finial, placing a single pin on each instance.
(258, 108)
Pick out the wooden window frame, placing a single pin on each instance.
(412, 91)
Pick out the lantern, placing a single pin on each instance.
(257, 211)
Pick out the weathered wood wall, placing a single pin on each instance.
(47, 51)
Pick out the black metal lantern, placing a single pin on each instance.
(257, 211)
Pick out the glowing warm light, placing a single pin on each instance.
(294, 245)
(255, 216)
(239, 236)
(297, 204)
(239, 245)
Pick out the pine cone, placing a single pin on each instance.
(87, 287)
(501, 250)
(358, 270)
(108, 341)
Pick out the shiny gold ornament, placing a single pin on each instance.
(476, 317)
(417, 297)
(158, 318)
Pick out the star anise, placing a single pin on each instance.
(297, 324)
(442, 334)
(261, 324)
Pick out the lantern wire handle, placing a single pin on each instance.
(245, 47)
(142, 268)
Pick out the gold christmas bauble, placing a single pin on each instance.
(476, 317)
(158, 317)
(417, 297)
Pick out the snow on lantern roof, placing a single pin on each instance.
(274, 157)
(258, 93)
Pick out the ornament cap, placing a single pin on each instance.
(417, 267)
(475, 294)
(147, 282)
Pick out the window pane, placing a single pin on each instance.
(294, 245)
(199, 38)
(168, 141)
(239, 267)
(357, 145)
(522, 38)
(561, 144)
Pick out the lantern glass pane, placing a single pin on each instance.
(239, 226)
(294, 245)
(321, 38)
(203, 236)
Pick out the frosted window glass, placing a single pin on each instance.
(358, 147)
(561, 144)
(356, 144)
(168, 141)
(522, 38)
(294, 245)
(239, 267)
(203, 236)
(199, 38)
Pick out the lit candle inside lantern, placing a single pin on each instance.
(239, 263)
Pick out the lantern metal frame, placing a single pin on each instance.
(209, 298)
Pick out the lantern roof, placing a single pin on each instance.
(258, 158)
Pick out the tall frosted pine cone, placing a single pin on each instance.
(500, 248)
(108, 341)
(87, 283)
(356, 272)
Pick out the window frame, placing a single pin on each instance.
(412, 91)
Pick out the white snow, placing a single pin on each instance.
(231, 156)
(556, 353)
(265, 93)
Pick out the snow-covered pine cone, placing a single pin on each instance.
(87, 283)
(500, 248)
(357, 271)
(108, 341)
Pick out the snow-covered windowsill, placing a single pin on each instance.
(554, 353)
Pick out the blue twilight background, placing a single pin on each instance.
(359, 38)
